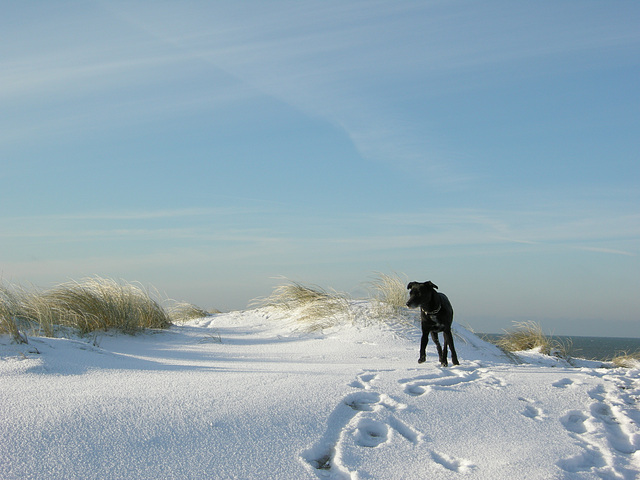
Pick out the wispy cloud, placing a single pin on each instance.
(156, 214)
(444, 227)
(132, 215)
(348, 63)
(607, 250)
(352, 63)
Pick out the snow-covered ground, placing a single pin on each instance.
(244, 395)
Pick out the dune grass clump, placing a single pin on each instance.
(310, 307)
(389, 290)
(627, 360)
(89, 305)
(38, 316)
(24, 311)
(388, 299)
(529, 336)
(526, 336)
(9, 311)
(103, 304)
(183, 312)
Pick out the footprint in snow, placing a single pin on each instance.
(416, 386)
(449, 380)
(454, 464)
(574, 420)
(363, 417)
(371, 433)
(364, 379)
(563, 383)
(617, 428)
(531, 411)
(609, 434)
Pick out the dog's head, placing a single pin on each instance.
(420, 293)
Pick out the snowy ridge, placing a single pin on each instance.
(251, 395)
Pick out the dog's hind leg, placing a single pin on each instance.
(448, 340)
(442, 352)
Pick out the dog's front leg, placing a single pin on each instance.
(423, 343)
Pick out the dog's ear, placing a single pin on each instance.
(431, 284)
(410, 286)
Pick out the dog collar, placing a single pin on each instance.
(432, 313)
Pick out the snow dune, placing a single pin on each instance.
(245, 395)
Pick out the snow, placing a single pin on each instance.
(247, 395)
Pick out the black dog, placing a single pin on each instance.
(436, 314)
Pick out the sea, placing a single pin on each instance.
(590, 348)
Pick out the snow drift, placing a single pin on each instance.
(249, 395)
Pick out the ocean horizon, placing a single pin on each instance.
(590, 348)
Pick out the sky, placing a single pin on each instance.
(213, 150)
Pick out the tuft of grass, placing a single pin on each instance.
(627, 360)
(528, 336)
(389, 290)
(15, 312)
(183, 312)
(211, 338)
(103, 304)
(36, 314)
(8, 324)
(311, 307)
(388, 294)
(89, 305)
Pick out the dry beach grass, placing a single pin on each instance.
(313, 308)
(529, 336)
(92, 304)
(389, 290)
(627, 360)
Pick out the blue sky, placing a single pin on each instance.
(208, 148)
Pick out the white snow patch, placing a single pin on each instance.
(246, 395)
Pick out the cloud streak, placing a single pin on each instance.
(328, 59)
(608, 251)
(442, 230)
